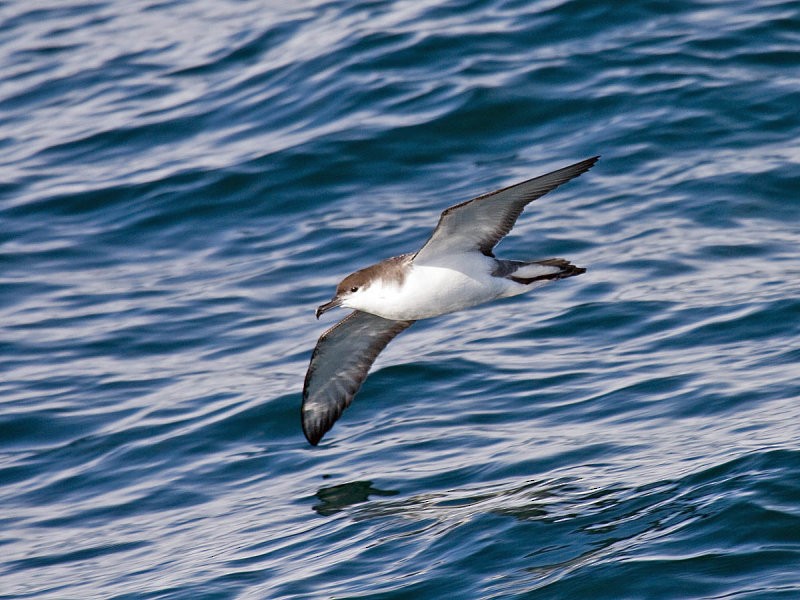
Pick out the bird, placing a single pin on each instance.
(455, 269)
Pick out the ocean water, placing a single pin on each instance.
(183, 182)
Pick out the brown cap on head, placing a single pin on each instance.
(354, 282)
(389, 270)
(348, 285)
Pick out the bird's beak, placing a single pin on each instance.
(322, 308)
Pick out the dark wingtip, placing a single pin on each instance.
(313, 430)
(588, 163)
(313, 436)
(585, 164)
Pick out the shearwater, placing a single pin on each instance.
(455, 269)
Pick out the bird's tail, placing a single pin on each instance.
(539, 270)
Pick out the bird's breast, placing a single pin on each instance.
(432, 290)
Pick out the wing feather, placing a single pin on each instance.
(339, 365)
(478, 224)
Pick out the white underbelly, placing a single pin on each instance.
(429, 291)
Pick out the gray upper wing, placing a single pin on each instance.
(478, 224)
(339, 365)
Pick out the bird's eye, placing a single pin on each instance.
(353, 289)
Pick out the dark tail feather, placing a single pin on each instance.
(566, 269)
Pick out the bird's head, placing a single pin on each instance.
(348, 292)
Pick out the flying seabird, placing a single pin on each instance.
(455, 269)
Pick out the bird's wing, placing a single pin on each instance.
(339, 365)
(478, 224)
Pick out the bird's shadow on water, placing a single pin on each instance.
(579, 524)
(336, 498)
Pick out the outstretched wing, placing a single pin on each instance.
(339, 365)
(478, 224)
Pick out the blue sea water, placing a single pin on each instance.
(183, 182)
